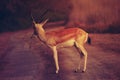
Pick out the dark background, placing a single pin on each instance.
(92, 15)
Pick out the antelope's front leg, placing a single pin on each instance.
(55, 56)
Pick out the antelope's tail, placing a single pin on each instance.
(89, 40)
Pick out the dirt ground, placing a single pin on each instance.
(22, 58)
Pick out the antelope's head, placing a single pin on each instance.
(38, 26)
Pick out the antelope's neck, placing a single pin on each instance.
(41, 34)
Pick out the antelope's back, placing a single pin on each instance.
(64, 34)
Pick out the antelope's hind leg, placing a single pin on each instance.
(84, 52)
(80, 55)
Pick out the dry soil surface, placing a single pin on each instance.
(22, 58)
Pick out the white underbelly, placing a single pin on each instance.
(68, 43)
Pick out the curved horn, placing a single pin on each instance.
(33, 19)
(43, 23)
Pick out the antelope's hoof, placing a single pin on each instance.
(83, 71)
(77, 70)
(56, 71)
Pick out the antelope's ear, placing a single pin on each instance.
(44, 22)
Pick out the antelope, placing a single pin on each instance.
(63, 38)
